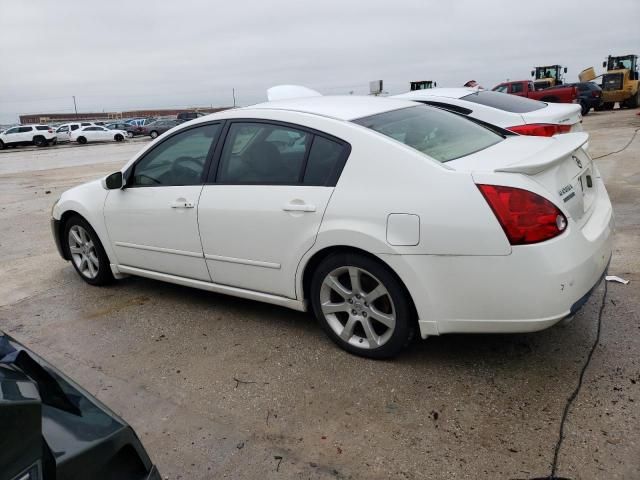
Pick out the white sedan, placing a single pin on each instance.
(516, 114)
(96, 133)
(382, 216)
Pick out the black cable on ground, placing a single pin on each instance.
(572, 397)
(635, 132)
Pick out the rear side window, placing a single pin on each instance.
(501, 101)
(324, 160)
(516, 87)
(24, 129)
(442, 135)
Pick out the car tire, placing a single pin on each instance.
(81, 140)
(153, 134)
(53, 141)
(86, 252)
(39, 141)
(2, 145)
(351, 316)
(130, 134)
(118, 138)
(608, 106)
(585, 108)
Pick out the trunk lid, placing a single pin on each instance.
(557, 114)
(559, 164)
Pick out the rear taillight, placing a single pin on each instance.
(595, 93)
(50, 130)
(540, 129)
(525, 217)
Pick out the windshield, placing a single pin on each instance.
(618, 63)
(503, 101)
(442, 135)
(546, 72)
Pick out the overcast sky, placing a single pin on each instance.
(114, 55)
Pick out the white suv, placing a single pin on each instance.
(63, 132)
(39, 135)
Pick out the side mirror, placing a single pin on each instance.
(604, 64)
(113, 181)
(533, 73)
(565, 69)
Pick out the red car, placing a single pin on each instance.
(525, 88)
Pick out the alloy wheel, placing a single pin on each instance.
(358, 307)
(83, 252)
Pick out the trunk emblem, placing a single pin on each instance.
(578, 162)
(565, 189)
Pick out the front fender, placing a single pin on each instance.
(87, 200)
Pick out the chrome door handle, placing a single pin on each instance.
(299, 207)
(181, 204)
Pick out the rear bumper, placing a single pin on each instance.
(531, 289)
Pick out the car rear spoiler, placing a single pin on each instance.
(563, 145)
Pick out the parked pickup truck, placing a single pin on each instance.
(525, 88)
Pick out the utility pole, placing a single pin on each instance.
(75, 107)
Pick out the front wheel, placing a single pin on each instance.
(82, 140)
(118, 138)
(39, 142)
(585, 108)
(86, 252)
(362, 306)
(154, 134)
(130, 134)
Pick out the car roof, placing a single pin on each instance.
(344, 107)
(458, 92)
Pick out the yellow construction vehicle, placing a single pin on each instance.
(619, 82)
(549, 76)
(423, 85)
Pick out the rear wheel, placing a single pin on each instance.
(82, 140)
(86, 252)
(39, 141)
(130, 134)
(154, 134)
(362, 306)
(118, 138)
(2, 145)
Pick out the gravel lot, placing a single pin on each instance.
(222, 387)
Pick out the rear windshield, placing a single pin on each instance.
(504, 101)
(442, 135)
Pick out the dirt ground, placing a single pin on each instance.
(219, 387)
